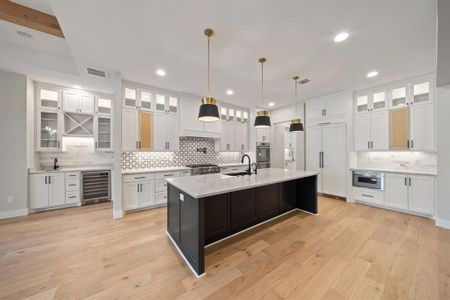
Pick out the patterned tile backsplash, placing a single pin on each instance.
(190, 153)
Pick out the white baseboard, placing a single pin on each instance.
(13, 213)
(443, 223)
(117, 214)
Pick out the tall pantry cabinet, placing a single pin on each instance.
(326, 142)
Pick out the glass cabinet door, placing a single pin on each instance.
(421, 92)
(238, 116)
(173, 105)
(104, 133)
(145, 100)
(49, 130)
(49, 98)
(223, 113)
(245, 116)
(130, 97)
(399, 96)
(379, 100)
(362, 103)
(230, 114)
(104, 106)
(160, 102)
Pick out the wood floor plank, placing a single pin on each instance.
(348, 251)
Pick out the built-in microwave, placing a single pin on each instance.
(366, 179)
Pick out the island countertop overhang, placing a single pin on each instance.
(214, 184)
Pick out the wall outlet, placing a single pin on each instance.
(10, 199)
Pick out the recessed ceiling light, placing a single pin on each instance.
(372, 74)
(160, 72)
(271, 104)
(340, 37)
(76, 86)
(230, 92)
(24, 34)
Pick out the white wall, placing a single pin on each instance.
(116, 176)
(13, 149)
(31, 155)
(443, 160)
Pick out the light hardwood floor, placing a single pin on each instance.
(348, 251)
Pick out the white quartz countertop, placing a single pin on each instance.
(72, 169)
(405, 170)
(213, 184)
(154, 170)
(232, 165)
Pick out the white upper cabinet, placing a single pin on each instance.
(362, 103)
(166, 132)
(130, 130)
(104, 105)
(130, 97)
(78, 102)
(422, 91)
(145, 100)
(422, 135)
(49, 98)
(399, 96)
(362, 131)
(166, 103)
(333, 108)
(190, 125)
(262, 135)
(103, 133)
(379, 100)
(379, 130)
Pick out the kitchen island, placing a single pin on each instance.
(204, 209)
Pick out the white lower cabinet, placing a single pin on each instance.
(147, 190)
(405, 192)
(48, 190)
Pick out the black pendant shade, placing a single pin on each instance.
(262, 119)
(209, 111)
(296, 127)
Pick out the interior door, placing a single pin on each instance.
(39, 190)
(129, 129)
(421, 194)
(146, 130)
(334, 179)
(379, 130)
(160, 132)
(422, 127)
(57, 189)
(399, 129)
(173, 132)
(313, 150)
(362, 131)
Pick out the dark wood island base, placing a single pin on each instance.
(195, 223)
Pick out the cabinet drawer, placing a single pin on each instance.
(167, 175)
(161, 185)
(72, 175)
(138, 177)
(161, 198)
(72, 185)
(368, 195)
(72, 197)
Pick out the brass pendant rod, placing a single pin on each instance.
(209, 94)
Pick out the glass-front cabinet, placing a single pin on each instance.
(399, 96)
(379, 100)
(146, 100)
(49, 98)
(103, 133)
(49, 130)
(362, 103)
(422, 91)
(130, 97)
(104, 106)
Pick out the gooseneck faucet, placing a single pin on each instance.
(249, 171)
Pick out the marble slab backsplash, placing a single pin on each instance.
(188, 154)
(396, 159)
(76, 152)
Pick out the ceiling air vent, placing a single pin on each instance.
(304, 81)
(95, 72)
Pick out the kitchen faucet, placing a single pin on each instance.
(55, 164)
(249, 171)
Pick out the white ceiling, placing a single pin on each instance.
(41, 5)
(397, 38)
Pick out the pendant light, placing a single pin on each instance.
(209, 111)
(262, 119)
(296, 124)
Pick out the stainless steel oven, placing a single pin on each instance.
(263, 155)
(366, 179)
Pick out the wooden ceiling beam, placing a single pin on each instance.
(28, 17)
